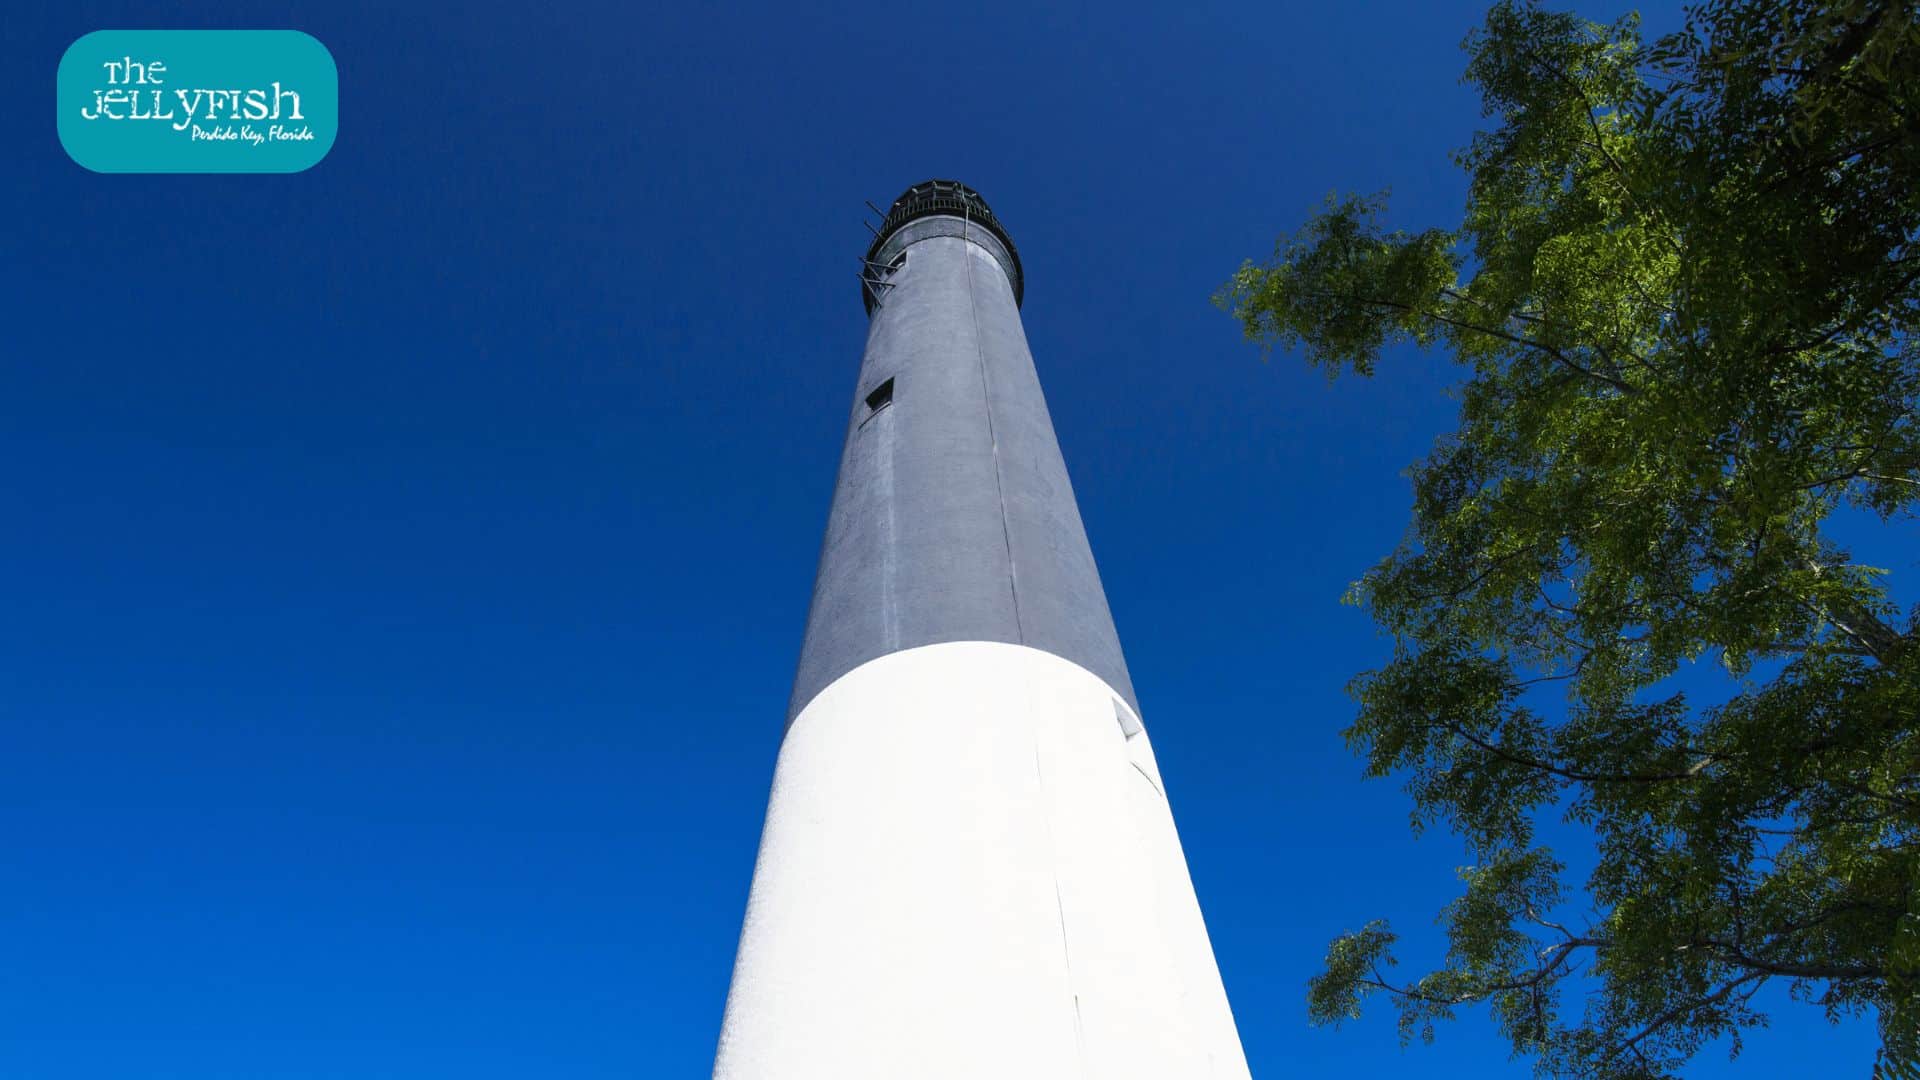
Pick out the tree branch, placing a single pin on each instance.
(1459, 324)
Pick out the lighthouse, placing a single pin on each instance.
(969, 868)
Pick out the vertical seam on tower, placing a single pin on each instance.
(889, 606)
(993, 439)
(1053, 866)
(1053, 863)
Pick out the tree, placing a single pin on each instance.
(1683, 298)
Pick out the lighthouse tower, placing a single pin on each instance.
(969, 870)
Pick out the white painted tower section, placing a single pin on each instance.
(969, 870)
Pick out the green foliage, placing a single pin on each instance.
(1683, 297)
(1900, 1057)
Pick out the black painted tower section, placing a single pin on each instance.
(953, 518)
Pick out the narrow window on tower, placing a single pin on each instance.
(1129, 723)
(880, 398)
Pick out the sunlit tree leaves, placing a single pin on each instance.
(1683, 298)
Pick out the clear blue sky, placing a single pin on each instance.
(405, 561)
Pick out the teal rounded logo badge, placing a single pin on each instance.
(197, 101)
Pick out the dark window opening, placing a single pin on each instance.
(880, 398)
